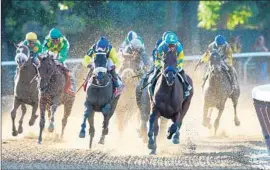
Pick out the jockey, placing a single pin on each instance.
(154, 56)
(130, 36)
(103, 45)
(225, 50)
(136, 48)
(34, 46)
(171, 43)
(58, 44)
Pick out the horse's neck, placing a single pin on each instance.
(216, 82)
(26, 72)
(163, 85)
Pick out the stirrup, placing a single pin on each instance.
(187, 93)
(189, 87)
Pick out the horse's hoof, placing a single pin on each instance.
(51, 128)
(153, 152)
(20, 130)
(14, 133)
(169, 136)
(176, 141)
(101, 142)
(39, 142)
(82, 134)
(237, 123)
(32, 120)
(151, 144)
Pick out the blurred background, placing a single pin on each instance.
(243, 23)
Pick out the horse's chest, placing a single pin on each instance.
(167, 103)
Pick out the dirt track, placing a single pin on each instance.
(234, 148)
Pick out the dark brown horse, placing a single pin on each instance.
(51, 88)
(25, 90)
(217, 90)
(168, 101)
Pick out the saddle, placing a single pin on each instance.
(70, 82)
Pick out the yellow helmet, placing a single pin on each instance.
(31, 36)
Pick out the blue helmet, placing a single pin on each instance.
(171, 38)
(165, 33)
(220, 40)
(158, 42)
(131, 35)
(55, 33)
(102, 44)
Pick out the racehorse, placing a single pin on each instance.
(51, 86)
(168, 101)
(25, 89)
(217, 89)
(99, 98)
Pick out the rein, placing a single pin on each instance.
(99, 86)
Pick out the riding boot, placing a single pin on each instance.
(233, 78)
(36, 61)
(117, 83)
(187, 86)
(152, 79)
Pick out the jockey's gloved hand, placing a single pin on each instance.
(179, 69)
(90, 66)
(57, 62)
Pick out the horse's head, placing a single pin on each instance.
(22, 54)
(100, 69)
(46, 69)
(169, 69)
(215, 62)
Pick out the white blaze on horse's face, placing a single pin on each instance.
(20, 57)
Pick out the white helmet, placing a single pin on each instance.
(131, 35)
(136, 44)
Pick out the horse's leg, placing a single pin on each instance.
(91, 128)
(88, 109)
(144, 114)
(48, 110)
(153, 131)
(16, 104)
(42, 108)
(206, 118)
(105, 129)
(175, 127)
(163, 126)
(34, 116)
(220, 108)
(53, 110)
(235, 102)
(67, 111)
(23, 107)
